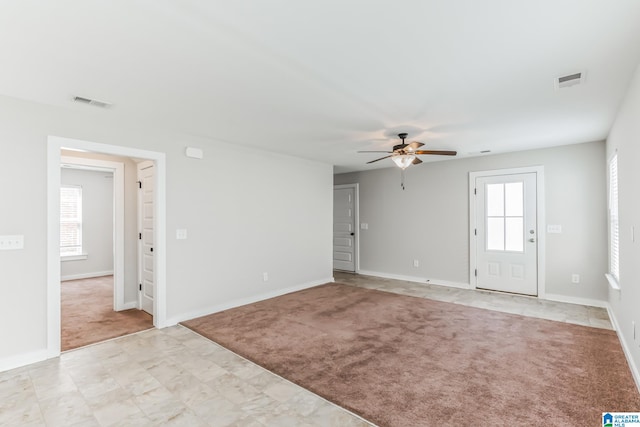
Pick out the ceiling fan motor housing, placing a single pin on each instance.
(402, 136)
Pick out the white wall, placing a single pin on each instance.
(625, 139)
(97, 223)
(266, 213)
(434, 210)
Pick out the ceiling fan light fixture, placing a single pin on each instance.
(403, 161)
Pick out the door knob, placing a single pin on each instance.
(353, 234)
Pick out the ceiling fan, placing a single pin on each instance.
(405, 155)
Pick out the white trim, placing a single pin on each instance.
(244, 301)
(356, 219)
(540, 216)
(576, 300)
(13, 362)
(54, 145)
(117, 168)
(613, 283)
(423, 280)
(635, 373)
(129, 305)
(53, 249)
(88, 276)
(80, 257)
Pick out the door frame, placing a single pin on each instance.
(54, 145)
(356, 225)
(117, 168)
(541, 221)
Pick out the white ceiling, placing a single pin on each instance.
(324, 79)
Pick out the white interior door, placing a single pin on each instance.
(146, 225)
(506, 233)
(344, 227)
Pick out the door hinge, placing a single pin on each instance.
(475, 191)
(140, 286)
(475, 231)
(139, 184)
(476, 272)
(139, 236)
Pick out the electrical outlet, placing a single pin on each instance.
(265, 277)
(575, 278)
(416, 263)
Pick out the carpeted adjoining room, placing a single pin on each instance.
(399, 360)
(87, 314)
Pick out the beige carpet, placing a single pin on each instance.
(88, 316)
(406, 361)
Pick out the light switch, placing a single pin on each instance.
(364, 226)
(11, 243)
(554, 229)
(181, 234)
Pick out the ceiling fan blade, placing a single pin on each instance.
(414, 145)
(381, 158)
(416, 161)
(437, 152)
(375, 151)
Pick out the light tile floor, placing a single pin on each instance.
(174, 377)
(499, 301)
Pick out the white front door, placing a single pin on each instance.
(145, 227)
(344, 227)
(506, 233)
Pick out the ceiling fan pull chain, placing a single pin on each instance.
(402, 179)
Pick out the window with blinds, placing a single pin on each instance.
(70, 220)
(614, 232)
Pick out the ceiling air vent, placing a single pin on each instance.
(569, 80)
(93, 102)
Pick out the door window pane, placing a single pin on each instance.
(495, 199)
(505, 217)
(513, 197)
(514, 234)
(495, 234)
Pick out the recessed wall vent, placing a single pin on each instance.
(90, 101)
(570, 80)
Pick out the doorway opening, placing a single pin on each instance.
(95, 304)
(54, 161)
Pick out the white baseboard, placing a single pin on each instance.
(243, 301)
(13, 362)
(415, 279)
(576, 300)
(129, 305)
(625, 348)
(86, 275)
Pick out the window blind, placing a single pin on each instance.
(70, 220)
(614, 232)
